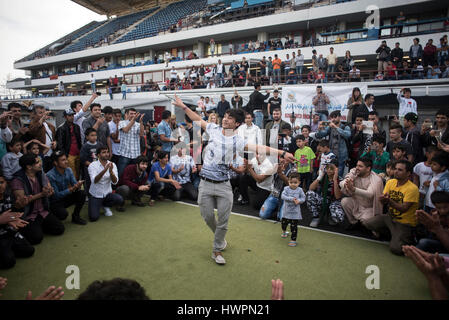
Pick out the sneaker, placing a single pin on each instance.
(284, 235)
(78, 220)
(218, 258)
(292, 244)
(225, 245)
(315, 222)
(107, 212)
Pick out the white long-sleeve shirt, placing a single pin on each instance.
(251, 134)
(406, 105)
(103, 187)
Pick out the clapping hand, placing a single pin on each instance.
(430, 221)
(9, 216)
(52, 293)
(427, 263)
(384, 198)
(277, 290)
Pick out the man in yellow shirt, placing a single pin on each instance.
(277, 69)
(402, 198)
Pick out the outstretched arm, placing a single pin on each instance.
(192, 114)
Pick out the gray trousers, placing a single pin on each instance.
(401, 234)
(219, 194)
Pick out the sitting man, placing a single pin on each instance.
(402, 198)
(103, 173)
(133, 182)
(12, 243)
(183, 167)
(363, 188)
(32, 190)
(67, 190)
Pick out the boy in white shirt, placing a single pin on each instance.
(406, 104)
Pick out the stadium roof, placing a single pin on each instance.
(120, 7)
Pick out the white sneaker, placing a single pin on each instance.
(315, 222)
(107, 212)
(218, 258)
(225, 245)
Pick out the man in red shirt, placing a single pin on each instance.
(391, 72)
(134, 181)
(429, 54)
(68, 137)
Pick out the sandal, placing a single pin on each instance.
(284, 235)
(292, 244)
(151, 203)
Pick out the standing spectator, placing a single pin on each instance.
(183, 167)
(222, 106)
(110, 92)
(299, 64)
(315, 122)
(212, 47)
(173, 74)
(331, 63)
(6, 134)
(277, 69)
(348, 61)
(354, 102)
(237, 101)
(92, 83)
(32, 190)
(263, 66)
(338, 134)
(103, 174)
(429, 54)
(440, 132)
(304, 156)
(320, 102)
(61, 89)
(270, 69)
(274, 102)
(406, 103)
(133, 182)
(17, 126)
(234, 69)
(412, 135)
(164, 131)
(416, 52)
(244, 66)
(365, 108)
(396, 139)
(314, 61)
(88, 154)
(422, 174)
(383, 56)
(80, 110)
(130, 132)
(220, 70)
(442, 51)
(397, 55)
(97, 121)
(124, 89)
(115, 134)
(249, 131)
(273, 128)
(401, 197)
(44, 132)
(377, 130)
(68, 137)
(257, 102)
(67, 190)
(286, 64)
(13, 244)
(400, 20)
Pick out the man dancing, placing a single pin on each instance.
(224, 143)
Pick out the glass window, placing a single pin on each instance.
(139, 58)
(129, 78)
(121, 61)
(129, 60)
(147, 77)
(137, 78)
(157, 76)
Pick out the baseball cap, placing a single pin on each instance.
(68, 112)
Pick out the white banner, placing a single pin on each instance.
(298, 100)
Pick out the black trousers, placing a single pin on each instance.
(260, 196)
(34, 231)
(47, 164)
(188, 189)
(13, 245)
(161, 188)
(58, 207)
(293, 226)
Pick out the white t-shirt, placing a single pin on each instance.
(428, 202)
(173, 74)
(354, 74)
(265, 168)
(219, 68)
(424, 173)
(48, 139)
(406, 105)
(115, 146)
(219, 153)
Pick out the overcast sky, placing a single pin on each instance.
(28, 25)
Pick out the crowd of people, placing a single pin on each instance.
(352, 174)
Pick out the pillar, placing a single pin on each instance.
(262, 36)
(200, 49)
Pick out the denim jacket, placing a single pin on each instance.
(344, 133)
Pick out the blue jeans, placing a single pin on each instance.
(92, 85)
(299, 72)
(331, 68)
(269, 207)
(277, 76)
(219, 79)
(111, 200)
(286, 72)
(123, 95)
(341, 167)
(258, 119)
(431, 245)
(123, 162)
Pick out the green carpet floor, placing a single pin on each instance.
(167, 249)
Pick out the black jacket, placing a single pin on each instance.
(257, 101)
(222, 107)
(362, 109)
(64, 138)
